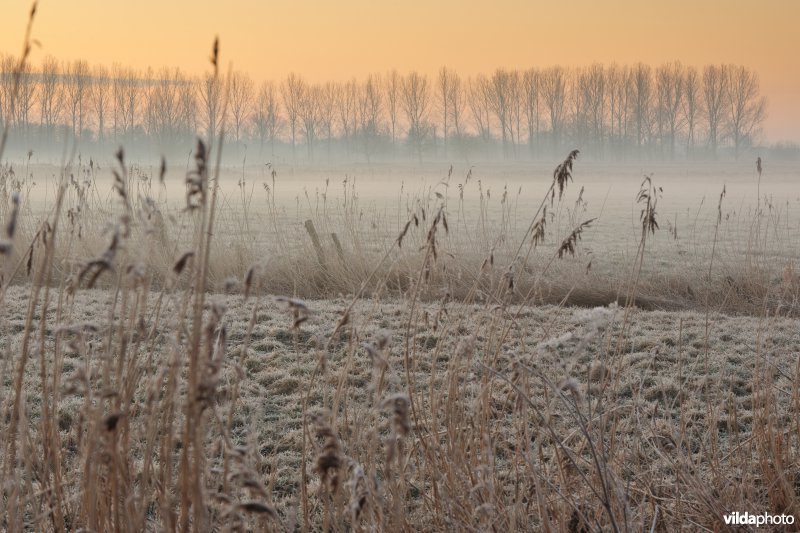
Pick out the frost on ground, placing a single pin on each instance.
(681, 391)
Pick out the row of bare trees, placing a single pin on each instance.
(610, 111)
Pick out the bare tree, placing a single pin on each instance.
(455, 99)
(117, 100)
(444, 87)
(515, 108)
(309, 116)
(642, 86)
(241, 100)
(670, 95)
(187, 107)
(578, 95)
(715, 94)
(165, 105)
(50, 97)
(370, 106)
(589, 107)
(292, 93)
(554, 93)
(747, 109)
(266, 117)
(210, 98)
(77, 83)
(531, 85)
(478, 99)
(393, 85)
(327, 111)
(147, 115)
(346, 102)
(500, 101)
(26, 97)
(594, 88)
(618, 102)
(415, 101)
(7, 65)
(691, 107)
(127, 92)
(100, 97)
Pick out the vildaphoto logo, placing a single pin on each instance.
(758, 520)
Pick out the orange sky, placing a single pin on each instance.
(327, 39)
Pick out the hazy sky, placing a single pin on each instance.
(327, 39)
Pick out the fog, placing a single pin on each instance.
(612, 113)
(482, 197)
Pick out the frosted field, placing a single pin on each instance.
(687, 411)
(386, 192)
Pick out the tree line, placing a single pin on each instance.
(671, 111)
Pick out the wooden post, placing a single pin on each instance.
(338, 245)
(312, 232)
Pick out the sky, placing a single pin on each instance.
(337, 40)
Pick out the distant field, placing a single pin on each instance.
(260, 220)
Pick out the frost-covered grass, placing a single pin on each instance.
(684, 420)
